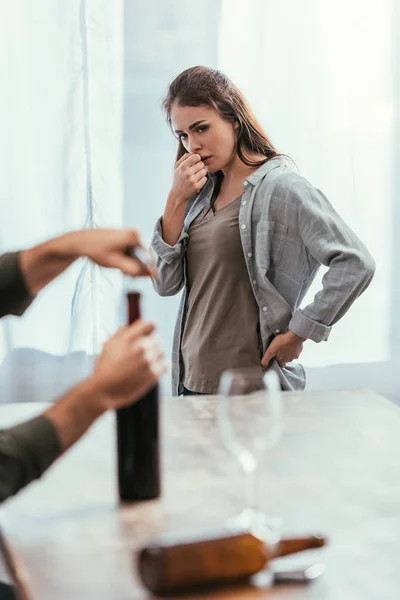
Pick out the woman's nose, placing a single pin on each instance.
(193, 146)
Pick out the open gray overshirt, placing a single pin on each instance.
(288, 229)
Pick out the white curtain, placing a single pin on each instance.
(60, 169)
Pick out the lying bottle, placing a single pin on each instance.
(138, 438)
(173, 567)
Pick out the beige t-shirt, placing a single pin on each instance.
(222, 323)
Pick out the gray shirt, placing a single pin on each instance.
(28, 449)
(288, 229)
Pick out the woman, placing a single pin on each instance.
(244, 236)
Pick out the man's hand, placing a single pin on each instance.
(285, 348)
(130, 364)
(109, 248)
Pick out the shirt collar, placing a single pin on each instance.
(272, 163)
(255, 177)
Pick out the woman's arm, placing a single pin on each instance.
(170, 262)
(169, 237)
(333, 244)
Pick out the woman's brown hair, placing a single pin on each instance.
(202, 86)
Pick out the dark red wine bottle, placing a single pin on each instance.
(138, 438)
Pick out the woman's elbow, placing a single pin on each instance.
(164, 290)
(369, 268)
(365, 270)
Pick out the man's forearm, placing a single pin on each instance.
(28, 449)
(76, 411)
(43, 263)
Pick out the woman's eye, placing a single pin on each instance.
(202, 129)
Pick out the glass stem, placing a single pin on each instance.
(250, 490)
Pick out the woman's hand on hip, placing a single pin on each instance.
(285, 348)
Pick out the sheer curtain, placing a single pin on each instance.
(320, 76)
(60, 161)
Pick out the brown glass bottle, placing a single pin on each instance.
(138, 438)
(172, 567)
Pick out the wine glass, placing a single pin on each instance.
(250, 422)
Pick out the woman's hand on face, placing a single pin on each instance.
(285, 348)
(189, 177)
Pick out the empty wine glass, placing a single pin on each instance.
(250, 421)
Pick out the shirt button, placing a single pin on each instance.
(277, 330)
(245, 183)
(249, 254)
(264, 308)
(244, 202)
(243, 226)
(255, 282)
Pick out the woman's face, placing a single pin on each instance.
(203, 131)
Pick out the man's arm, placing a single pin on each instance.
(26, 451)
(106, 247)
(130, 364)
(23, 274)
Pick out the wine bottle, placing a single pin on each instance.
(138, 438)
(174, 566)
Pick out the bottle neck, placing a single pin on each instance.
(133, 301)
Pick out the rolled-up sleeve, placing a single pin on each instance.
(14, 294)
(26, 451)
